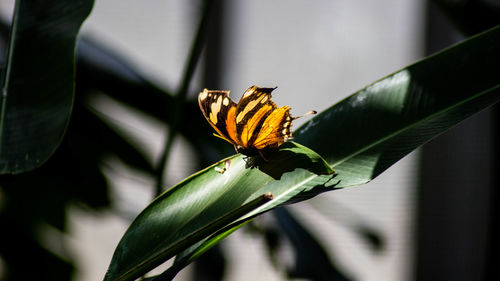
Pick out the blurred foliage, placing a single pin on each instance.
(311, 260)
(471, 16)
(35, 104)
(37, 199)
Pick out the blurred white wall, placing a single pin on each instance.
(316, 52)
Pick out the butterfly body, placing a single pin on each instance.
(253, 124)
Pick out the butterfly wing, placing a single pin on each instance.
(255, 123)
(219, 110)
(252, 110)
(275, 130)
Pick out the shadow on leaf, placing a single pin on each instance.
(287, 158)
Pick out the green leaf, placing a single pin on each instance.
(359, 137)
(38, 81)
(222, 188)
(171, 221)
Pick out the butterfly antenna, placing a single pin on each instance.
(312, 112)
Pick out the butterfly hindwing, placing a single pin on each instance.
(275, 130)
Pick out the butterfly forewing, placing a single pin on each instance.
(219, 109)
(252, 110)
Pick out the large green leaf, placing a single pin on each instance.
(360, 137)
(38, 81)
(224, 188)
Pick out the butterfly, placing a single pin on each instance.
(253, 124)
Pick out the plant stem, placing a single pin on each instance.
(180, 98)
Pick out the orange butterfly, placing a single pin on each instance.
(252, 125)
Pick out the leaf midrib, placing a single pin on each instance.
(409, 126)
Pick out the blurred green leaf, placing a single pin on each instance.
(359, 137)
(38, 81)
(471, 16)
(102, 70)
(44, 264)
(110, 142)
(311, 260)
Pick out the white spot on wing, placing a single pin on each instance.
(214, 110)
(203, 95)
(249, 92)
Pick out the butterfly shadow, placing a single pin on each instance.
(287, 158)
